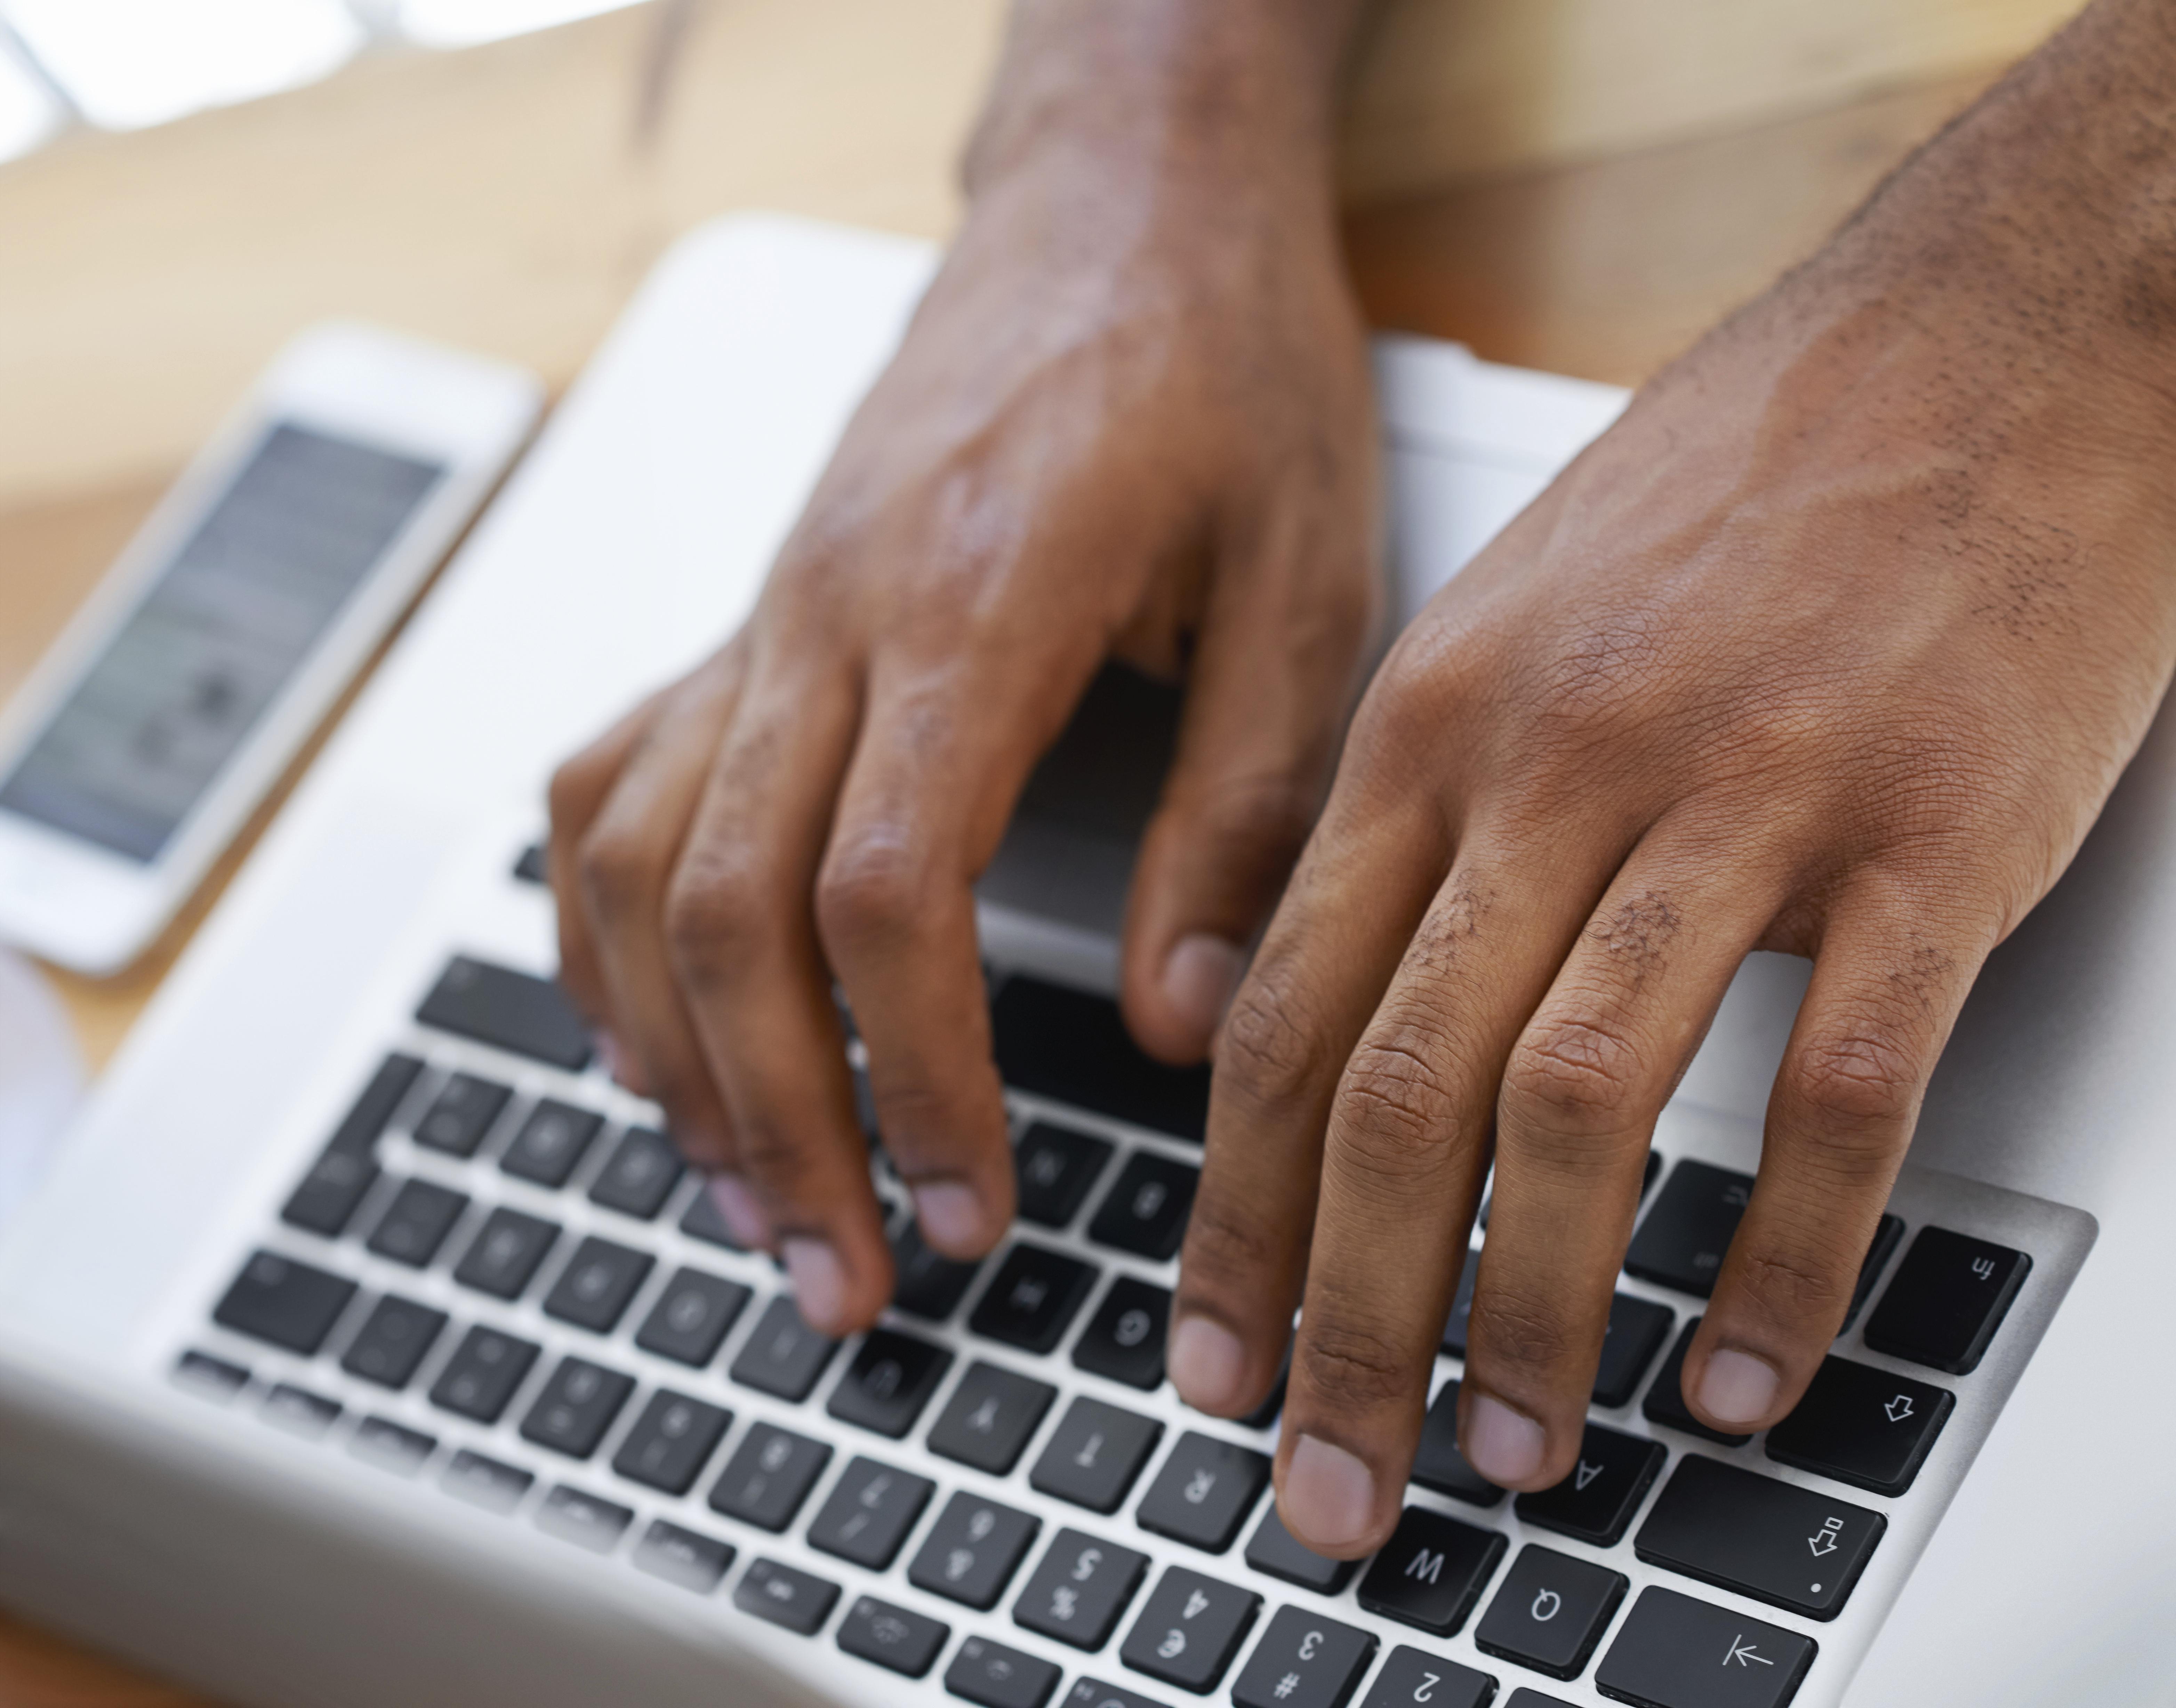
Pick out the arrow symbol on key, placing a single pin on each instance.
(1745, 1653)
(1823, 1543)
(1899, 1409)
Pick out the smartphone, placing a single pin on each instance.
(229, 626)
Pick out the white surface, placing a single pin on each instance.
(29, 114)
(458, 23)
(40, 1079)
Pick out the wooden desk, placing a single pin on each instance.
(509, 199)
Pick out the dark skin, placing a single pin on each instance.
(1835, 644)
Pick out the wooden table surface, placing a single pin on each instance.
(509, 197)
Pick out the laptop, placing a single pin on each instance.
(367, 1345)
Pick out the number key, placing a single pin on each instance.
(1411, 1676)
(1303, 1661)
(1080, 1590)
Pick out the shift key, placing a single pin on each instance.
(1798, 1549)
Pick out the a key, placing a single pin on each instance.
(415, 1224)
(972, 1551)
(328, 1195)
(1950, 1295)
(1608, 1481)
(702, 1220)
(888, 1383)
(577, 1407)
(782, 1356)
(1144, 1211)
(640, 1176)
(1273, 1549)
(1080, 1589)
(508, 1011)
(286, 1303)
(799, 1600)
(1073, 1047)
(1412, 1678)
(930, 1286)
(988, 1421)
(691, 1317)
(598, 1284)
(1795, 1547)
(769, 1476)
(1682, 1242)
(1683, 1653)
(1535, 1699)
(1190, 1630)
(368, 1116)
(1124, 1338)
(1094, 1693)
(1204, 1493)
(300, 1411)
(551, 1143)
(1665, 1400)
(391, 1446)
(584, 1520)
(870, 1509)
(1032, 1300)
(672, 1441)
(1095, 1454)
(1303, 1661)
(992, 1676)
(464, 1111)
(503, 1257)
(1455, 1329)
(480, 1377)
(1439, 1465)
(392, 1341)
(1055, 1167)
(904, 1642)
(1638, 1328)
(215, 1379)
(532, 867)
(683, 1557)
(1550, 1612)
(1431, 1572)
(1862, 1426)
(484, 1482)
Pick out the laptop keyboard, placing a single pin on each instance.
(488, 1279)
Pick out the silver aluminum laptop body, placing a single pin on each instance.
(248, 1548)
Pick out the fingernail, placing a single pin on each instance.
(1737, 1387)
(1329, 1499)
(743, 1217)
(1200, 975)
(820, 1284)
(1206, 1363)
(612, 1056)
(950, 1214)
(1503, 1445)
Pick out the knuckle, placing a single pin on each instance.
(1269, 1053)
(711, 914)
(1858, 1081)
(1224, 1242)
(872, 888)
(1577, 1075)
(1394, 1108)
(1273, 812)
(571, 788)
(1790, 1284)
(1358, 1365)
(618, 873)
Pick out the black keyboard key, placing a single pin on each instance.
(1683, 1653)
(988, 1421)
(530, 866)
(1862, 1426)
(1073, 1047)
(358, 1132)
(1055, 1167)
(769, 1476)
(1431, 1572)
(416, 1222)
(992, 1676)
(1550, 1612)
(672, 1441)
(584, 1520)
(972, 1551)
(1535, 1699)
(1205, 1492)
(484, 1482)
(1887, 1232)
(928, 1285)
(1665, 1400)
(480, 1377)
(640, 1176)
(783, 1356)
(1638, 1329)
(683, 1557)
(1411, 1677)
(1273, 1549)
(702, 1220)
(1095, 1454)
(889, 1382)
(894, 1638)
(286, 1303)
(1145, 1211)
(1190, 1630)
(1682, 1242)
(1798, 1548)
(215, 1379)
(1950, 1296)
(551, 1143)
(1093, 1693)
(392, 1341)
(1610, 1478)
(1304, 1660)
(868, 1513)
(691, 1317)
(462, 1113)
(300, 1411)
(503, 1257)
(1124, 1339)
(391, 1446)
(577, 1407)
(1080, 1591)
(1439, 1465)
(799, 1600)
(1032, 1299)
(326, 1199)
(598, 1284)
(508, 1011)
(1461, 1321)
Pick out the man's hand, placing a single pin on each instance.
(1834, 644)
(1132, 417)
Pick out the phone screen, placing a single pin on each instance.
(152, 723)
